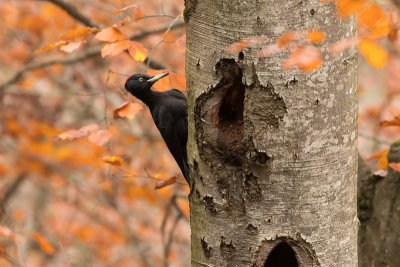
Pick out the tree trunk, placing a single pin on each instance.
(272, 153)
(379, 214)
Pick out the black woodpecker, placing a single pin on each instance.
(169, 112)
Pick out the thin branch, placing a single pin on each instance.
(90, 52)
(75, 13)
(11, 190)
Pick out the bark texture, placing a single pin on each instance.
(272, 153)
(379, 214)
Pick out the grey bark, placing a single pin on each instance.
(379, 214)
(272, 153)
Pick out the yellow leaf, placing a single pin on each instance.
(374, 54)
(77, 33)
(111, 34)
(113, 160)
(316, 36)
(137, 51)
(349, 7)
(43, 243)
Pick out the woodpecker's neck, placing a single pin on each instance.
(149, 97)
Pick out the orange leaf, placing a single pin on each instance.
(287, 38)
(377, 155)
(181, 44)
(244, 43)
(178, 81)
(395, 166)
(113, 160)
(51, 46)
(124, 9)
(126, 110)
(164, 183)
(375, 19)
(316, 37)
(137, 51)
(394, 122)
(111, 34)
(122, 22)
(374, 54)
(349, 7)
(307, 58)
(43, 243)
(138, 14)
(383, 161)
(77, 33)
(6, 232)
(71, 47)
(72, 134)
(372, 16)
(100, 137)
(115, 48)
(342, 45)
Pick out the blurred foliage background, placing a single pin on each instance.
(79, 166)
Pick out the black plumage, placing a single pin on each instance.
(169, 112)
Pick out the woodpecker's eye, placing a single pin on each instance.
(140, 79)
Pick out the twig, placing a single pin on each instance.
(75, 13)
(11, 191)
(90, 52)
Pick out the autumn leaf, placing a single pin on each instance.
(6, 232)
(349, 7)
(394, 122)
(316, 37)
(122, 22)
(395, 166)
(138, 14)
(72, 46)
(374, 54)
(307, 58)
(111, 34)
(287, 38)
(378, 155)
(44, 244)
(126, 110)
(51, 46)
(342, 45)
(137, 51)
(164, 183)
(375, 19)
(113, 160)
(383, 161)
(72, 134)
(100, 137)
(244, 43)
(115, 48)
(181, 44)
(77, 33)
(178, 81)
(124, 9)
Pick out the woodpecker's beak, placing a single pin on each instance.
(157, 77)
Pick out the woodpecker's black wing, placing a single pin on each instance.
(170, 117)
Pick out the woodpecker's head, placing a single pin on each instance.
(138, 84)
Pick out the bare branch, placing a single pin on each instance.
(10, 191)
(75, 13)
